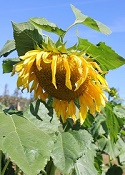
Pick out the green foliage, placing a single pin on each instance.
(73, 152)
(8, 64)
(35, 140)
(37, 136)
(103, 54)
(8, 47)
(26, 36)
(92, 23)
(26, 145)
(42, 23)
(38, 114)
(113, 122)
(84, 165)
(32, 139)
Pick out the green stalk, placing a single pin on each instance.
(5, 167)
(0, 162)
(50, 169)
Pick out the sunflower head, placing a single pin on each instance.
(65, 76)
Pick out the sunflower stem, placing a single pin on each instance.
(0, 162)
(50, 168)
(5, 167)
(69, 29)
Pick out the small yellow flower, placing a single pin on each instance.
(65, 77)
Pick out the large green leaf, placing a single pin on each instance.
(98, 161)
(38, 114)
(69, 147)
(103, 54)
(98, 127)
(42, 23)
(92, 23)
(111, 148)
(113, 123)
(119, 110)
(8, 47)
(85, 165)
(26, 145)
(65, 152)
(26, 37)
(8, 64)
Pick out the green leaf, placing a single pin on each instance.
(26, 145)
(69, 147)
(119, 110)
(42, 23)
(98, 127)
(85, 165)
(113, 123)
(26, 37)
(103, 54)
(38, 114)
(98, 161)
(8, 47)
(8, 64)
(94, 24)
(65, 153)
(108, 146)
(121, 146)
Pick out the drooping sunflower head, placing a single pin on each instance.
(65, 76)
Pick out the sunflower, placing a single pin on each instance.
(67, 77)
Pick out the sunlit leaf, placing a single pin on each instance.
(38, 114)
(122, 150)
(98, 161)
(103, 54)
(26, 37)
(69, 147)
(92, 23)
(98, 127)
(113, 122)
(8, 64)
(26, 145)
(8, 47)
(85, 165)
(111, 148)
(119, 110)
(42, 23)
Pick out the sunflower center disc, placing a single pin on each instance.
(44, 77)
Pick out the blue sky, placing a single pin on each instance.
(109, 12)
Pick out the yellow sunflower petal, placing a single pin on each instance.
(72, 110)
(82, 114)
(70, 69)
(83, 109)
(44, 57)
(53, 68)
(103, 82)
(96, 66)
(82, 79)
(63, 110)
(68, 74)
(33, 86)
(18, 66)
(38, 60)
(90, 102)
(19, 82)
